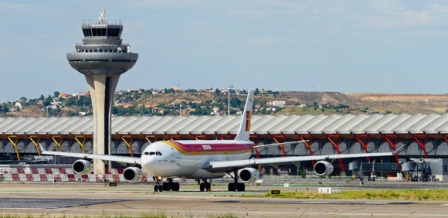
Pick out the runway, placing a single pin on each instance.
(73, 199)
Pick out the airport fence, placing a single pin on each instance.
(56, 173)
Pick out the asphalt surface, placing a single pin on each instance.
(75, 199)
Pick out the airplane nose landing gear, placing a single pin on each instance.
(157, 186)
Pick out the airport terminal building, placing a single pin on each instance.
(423, 136)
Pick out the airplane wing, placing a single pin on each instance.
(213, 165)
(278, 144)
(122, 159)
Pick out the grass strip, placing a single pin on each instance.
(408, 195)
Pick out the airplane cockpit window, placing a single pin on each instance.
(152, 153)
(158, 153)
(146, 153)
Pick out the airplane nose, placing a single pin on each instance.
(147, 163)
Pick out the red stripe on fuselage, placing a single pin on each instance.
(210, 148)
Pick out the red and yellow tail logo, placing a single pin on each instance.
(248, 115)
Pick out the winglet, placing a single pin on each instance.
(399, 150)
(244, 130)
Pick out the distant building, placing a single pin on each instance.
(216, 111)
(18, 105)
(279, 103)
(64, 95)
(156, 110)
(127, 105)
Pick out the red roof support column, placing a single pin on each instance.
(336, 145)
(308, 145)
(364, 144)
(422, 145)
(393, 144)
(281, 146)
(257, 155)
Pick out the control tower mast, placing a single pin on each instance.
(102, 58)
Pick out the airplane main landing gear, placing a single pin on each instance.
(205, 186)
(236, 186)
(170, 185)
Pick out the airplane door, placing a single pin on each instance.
(172, 158)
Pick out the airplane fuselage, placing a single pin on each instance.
(185, 159)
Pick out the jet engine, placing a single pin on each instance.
(82, 166)
(249, 174)
(132, 174)
(323, 168)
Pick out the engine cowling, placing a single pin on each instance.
(323, 168)
(132, 174)
(82, 166)
(249, 174)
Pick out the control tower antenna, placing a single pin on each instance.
(102, 58)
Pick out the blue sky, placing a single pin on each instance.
(382, 46)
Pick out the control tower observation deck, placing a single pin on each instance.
(102, 58)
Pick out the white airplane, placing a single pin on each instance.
(204, 159)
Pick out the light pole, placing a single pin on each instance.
(180, 111)
(228, 100)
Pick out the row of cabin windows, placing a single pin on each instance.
(153, 153)
(102, 32)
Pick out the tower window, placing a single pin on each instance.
(87, 32)
(121, 60)
(97, 60)
(114, 32)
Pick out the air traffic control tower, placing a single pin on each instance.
(102, 58)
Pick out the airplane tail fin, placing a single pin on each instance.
(244, 130)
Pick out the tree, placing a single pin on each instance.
(235, 102)
(4, 108)
(256, 92)
(56, 94)
(48, 101)
(23, 99)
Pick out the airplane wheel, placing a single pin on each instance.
(241, 187)
(232, 187)
(176, 187)
(202, 187)
(156, 188)
(166, 186)
(160, 188)
(207, 187)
